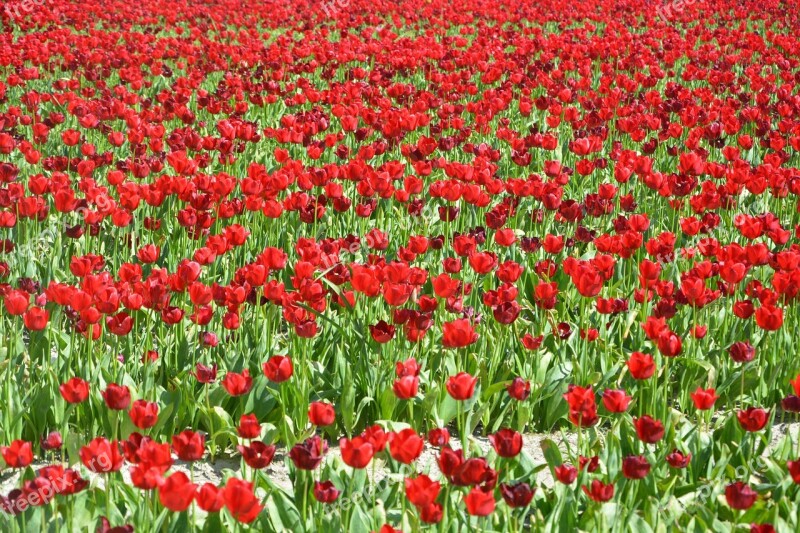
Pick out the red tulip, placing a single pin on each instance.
(325, 492)
(599, 491)
(421, 491)
(519, 495)
(431, 513)
(75, 390)
(704, 398)
(677, 459)
(742, 352)
(616, 401)
(752, 418)
(635, 467)
(210, 498)
(257, 455)
(641, 366)
(356, 452)
(205, 374)
(740, 496)
(461, 386)
(17, 455)
(278, 368)
(237, 384)
(117, 397)
(648, 429)
(248, 427)
(458, 334)
(321, 414)
(519, 389)
(52, 441)
(405, 446)
(566, 474)
(144, 414)
(439, 437)
(101, 456)
(177, 492)
(479, 502)
(406, 387)
(241, 501)
(506, 442)
(189, 445)
(308, 454)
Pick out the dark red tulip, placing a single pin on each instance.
(308, 454)
(519, 495)
(740, 496)
(506, 442)
(325, 492)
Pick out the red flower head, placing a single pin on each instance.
(635, 467)
(421, 490)
(742, 352)
(75, 390)
(753, 418)
(704, 398)
(248, 427)
(258, 455)
(506, 442)
(479, 502)
(599, 491)
(376, 436)
(237, 384)
(677, 459)
(458, 333)
(101, 456)
(461, 386)
(17, 455)
(405, 446)
(409, 367)
(189, 445)
(519, 495)
(740, 496)
(519, 389)
(431, 513)
(648, 429)
(769, 317)
(52, 441)
(176, 493)
(616, 401)
(582, 406)
(566, 474)
(382, 332)
(794, 470)
(321, 413)
(356, 452)
(205, 374)
(241, 501)
(308, 454)
(439, 437)
(278, 369)
(325, 492)
(144, 414)
(117, 397)
(36, 318)
(641, 366)
(406, 387)
(210, 498)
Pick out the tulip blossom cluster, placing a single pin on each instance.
(401, 265)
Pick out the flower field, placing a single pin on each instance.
(358, 265)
